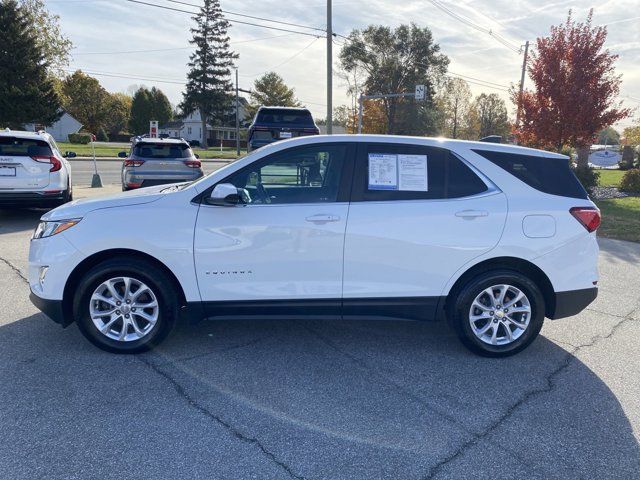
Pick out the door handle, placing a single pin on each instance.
(472, 213)
(322, 218)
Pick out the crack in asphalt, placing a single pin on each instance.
(566, 363)
(180, 390)
(408, 393)
(15, 269)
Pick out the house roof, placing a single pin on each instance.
(173, 124)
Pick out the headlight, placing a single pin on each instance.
(46, 229)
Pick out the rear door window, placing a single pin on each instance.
(23, 147)
(412, 172)
(162, 150)
(546, 174)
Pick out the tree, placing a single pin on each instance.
(575, 89)
(209, 77)
(46, 27)
(631, 136)
(270, 90)
(454, 102)
(149, 105)
(27, 94)
(86, 100)
(141, 111)
(395, 61)
(119, 113)
(488, 116)
(608, 136)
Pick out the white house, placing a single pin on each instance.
(60, 130)
(190, 127)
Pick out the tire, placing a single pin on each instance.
(499, 318)
(140, 272)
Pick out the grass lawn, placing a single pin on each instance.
(104, 150)
(610, 178)
(620, 218)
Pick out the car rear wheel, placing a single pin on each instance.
(498, 313)
(125, 305)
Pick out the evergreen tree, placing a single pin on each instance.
(209, 78)
(160, 106)
(27, 94)
(148, 105)
(141, 110)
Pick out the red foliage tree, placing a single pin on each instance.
(575, 88)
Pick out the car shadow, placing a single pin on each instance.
(20, 219)
(363, 399)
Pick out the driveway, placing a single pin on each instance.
(320, 400)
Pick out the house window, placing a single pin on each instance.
(189, 130)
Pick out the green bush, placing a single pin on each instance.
(631, 181)
(81, 138)
(102, 136)
(588, 177)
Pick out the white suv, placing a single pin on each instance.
(493, 237)
(33, 172)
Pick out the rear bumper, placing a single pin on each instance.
(51, 308)
(573, 302)
(30, 199)
(133, 180)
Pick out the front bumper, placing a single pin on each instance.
(51, 308)
(573, 302)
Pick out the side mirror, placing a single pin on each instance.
(224, 195)
(246, 124)
(197, 156)
(122, 154)
(69, 155)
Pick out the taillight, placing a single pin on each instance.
(589, 217)
(133, 163)
(193, 163)
(55, 163)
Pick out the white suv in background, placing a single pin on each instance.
(33, 172)
(493, 237)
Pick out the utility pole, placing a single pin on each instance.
(329, 69)
(524, 71)
(237, 117)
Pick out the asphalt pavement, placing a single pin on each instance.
(109, 170)
(320, 400)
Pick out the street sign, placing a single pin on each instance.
(419, 92)
(153, 129)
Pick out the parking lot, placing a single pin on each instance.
(319, 400)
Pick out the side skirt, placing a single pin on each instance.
(392, 308)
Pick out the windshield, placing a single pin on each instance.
(283, 116)
(23, 147)
(162, 150)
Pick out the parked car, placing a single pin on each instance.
(158, 161)
(277, 123)
(33, 172)
(493, 237)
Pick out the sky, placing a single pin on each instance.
(108, 36)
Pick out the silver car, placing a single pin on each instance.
(157, 161)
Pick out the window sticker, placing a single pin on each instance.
(412, 173)
(383, 171)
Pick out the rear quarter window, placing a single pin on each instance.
(546, 174)
(23, 147)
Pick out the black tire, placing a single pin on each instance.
(459, 312)
(148, 273)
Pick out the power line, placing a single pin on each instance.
(475, 26)
(285, 61)
(251, 16)
(230, 20)
(177, 48)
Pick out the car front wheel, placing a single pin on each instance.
(498, 313)
(125, 305)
